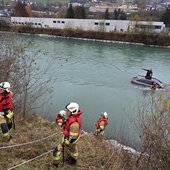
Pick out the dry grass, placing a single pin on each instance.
(93, 152)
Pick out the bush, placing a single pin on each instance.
(154, 121)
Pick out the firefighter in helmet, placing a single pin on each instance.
(71, 134)
(60, 118)
(101, 124)
(6, 112)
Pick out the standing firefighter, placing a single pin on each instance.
(101, 124)
(67, 149)
(6, 113)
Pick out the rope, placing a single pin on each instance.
(22, 144)
(108, 160)
(34, 157)
(30, 160)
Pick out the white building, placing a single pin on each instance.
(89, 24)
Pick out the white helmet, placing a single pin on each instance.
(5, 85)
(62, 113)
(73, 108)
(105, 115)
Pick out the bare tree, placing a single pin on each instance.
(154, 125)
(19, 67)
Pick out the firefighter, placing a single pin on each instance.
(101, 124)
(6, 113)
(60, 118)
(67, 149)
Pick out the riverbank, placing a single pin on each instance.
(34, 138)
(140, 38)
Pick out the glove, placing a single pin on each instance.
(98, 130)
(9, 114)
(66, 142)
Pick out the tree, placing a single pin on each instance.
(83, 12)
(80, 12)
(154, 121)
(166, 17)
(70, 12)
(20, 9)
(123, 16)
(116, 14)
(22, 71)
(106, 14)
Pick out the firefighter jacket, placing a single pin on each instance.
(59, 120)
(101, 123)
(72, 127)
(5, 102)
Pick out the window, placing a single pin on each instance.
(54, 21)
(96, 23)
(107, 24)
(58, 21)
(157, 27)
(62, 22)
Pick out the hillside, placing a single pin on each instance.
(44, 1)
(29, 132)
(51, 1)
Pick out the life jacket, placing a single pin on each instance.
(5, 102)
(101, 119)
(58, 117)
(71, 119)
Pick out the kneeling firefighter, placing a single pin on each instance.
(101, 124)
(6, 113)
(67, 149)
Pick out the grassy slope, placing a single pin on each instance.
(93, 152)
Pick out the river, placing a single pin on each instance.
(97, 76)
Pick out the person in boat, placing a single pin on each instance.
(149, 73)
(154, 85)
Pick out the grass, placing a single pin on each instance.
(93, 152)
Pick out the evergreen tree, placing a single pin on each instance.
(123, 16)
(70, 12)
(166, 17)
(106, 14)
(83, 12)
(79, 12)
(116, 14)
